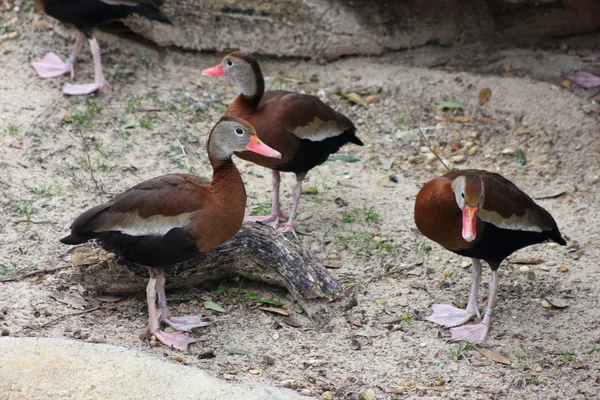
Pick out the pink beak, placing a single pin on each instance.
(257, 146)
(469, 223)
(214, 71)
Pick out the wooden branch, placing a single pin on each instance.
(257, 253)
(12, 278)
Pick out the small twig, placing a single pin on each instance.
(187, 163)
(12, 278)
(99, 189)
(427, 143)
(65, 316)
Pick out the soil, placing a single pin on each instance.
(60, 155)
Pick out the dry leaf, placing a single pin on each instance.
(355, 321)
(484, 96)
(108, 299)
(557, 303)
(276, 310)
(356, 98)
(198, 83)
(227, 101)
(585, 79)
(492, 355)
(530, 261)
(465, 119)
(397, 286)
(75, 301)
(371, 98)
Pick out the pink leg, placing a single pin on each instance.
(276, 212)
(446, 315)
(177, 340)
(179, 323)
(289, 225)
(99, 81)
(478, 333)
(52, 66)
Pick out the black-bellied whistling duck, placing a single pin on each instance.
(300, 126)
(170, 219)
(85, 15)
(484, 216)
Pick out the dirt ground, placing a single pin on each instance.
(60, 155)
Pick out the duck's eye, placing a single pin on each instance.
(462, 195)
(239, 131)
(229, 63)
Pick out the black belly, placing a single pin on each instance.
(496, 243)
(171, 249)
(310, 154)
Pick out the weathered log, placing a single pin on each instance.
(329, 29)
(257, 252)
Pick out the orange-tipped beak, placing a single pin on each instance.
(257, 146)
(469, 223)
(214, 71)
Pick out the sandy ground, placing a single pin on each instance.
(59, 156)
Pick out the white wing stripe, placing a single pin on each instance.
(157, 225)
(515, 223)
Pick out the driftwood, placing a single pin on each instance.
(257, 253)
(329, 29)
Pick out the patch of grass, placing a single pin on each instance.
(569, 357)
(146, 123)
(349, 217)
(372, 216)
(44, 190)
(133, 104)
(12, 129)
(423, 247)
(459, 351)
(144, 57)
(261, 209)
(399, 121)
(407, 317)
(356, 214)
(361, 241)
(85, 118)
(402, 364)
(594, 348)
(25, 209)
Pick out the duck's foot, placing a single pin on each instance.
(52, 66)
(186, 323)
(176, 340)
(471, 333)
(446, 315)
(289, 227)
(271, 220)
(77, 90)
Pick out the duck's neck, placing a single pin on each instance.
(226, 180)
(253, 87)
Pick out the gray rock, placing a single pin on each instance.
(36, 368)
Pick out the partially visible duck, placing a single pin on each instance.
(484, 216)
(85, 15)
(300, 126)
(173, 218)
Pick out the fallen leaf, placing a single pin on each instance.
(531, 261)
(557, 303)
(448, 104)
(492, 355)
(292, 79)
(177, 297)
(276, 310)
(551, 195)
(310, 190)
(356, 98)
(371, 98)
(130, 123)
(211, 305)
(386, 182)
(521, 159)
(484, 96)
(75, 301)
(355, 321)
(387, 163)
(341, 157)
(546, 304)
(585, 79)
(198, 83)
(255, 371)
(236, 350)
(108, 299)
(465, 119)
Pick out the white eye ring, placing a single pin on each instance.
(229, 63)
(239, 131)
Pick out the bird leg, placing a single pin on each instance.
(179, 323)
(177, 340)
(99, 81)
(478, 333)
(289, 225)
(446, 315)
(52, 66)
(276, 212)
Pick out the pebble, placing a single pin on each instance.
(473, 150)
(333, 256)
(275, 336)
(438, 382)
(228, 376)
(524, 269)
(545, 268)
(465, 264)
(508, 151)
(255, 371)
(458, 159)
(442, 168)
(562, 268)
(5, 332)
(380, 302)
(289, 383)
(367, 395)
(306, 392)
(327, 395)
(446, 273)
(551, 263)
